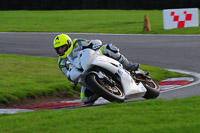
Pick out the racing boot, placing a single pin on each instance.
(88, 97)
(128, 65)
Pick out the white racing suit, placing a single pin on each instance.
(108, 49)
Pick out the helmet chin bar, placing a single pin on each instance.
(64, 55)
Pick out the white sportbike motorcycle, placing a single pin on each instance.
(107, 77)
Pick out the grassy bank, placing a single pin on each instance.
(151, 116)
(87, 21)
(26, 76)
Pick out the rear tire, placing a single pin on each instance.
(111, 94)
(153, 90)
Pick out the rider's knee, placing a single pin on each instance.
(111, 51)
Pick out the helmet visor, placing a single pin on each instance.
(62, 49)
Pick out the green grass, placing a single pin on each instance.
(150, 116)
(88, 21)
(26, 76)
(159, 74)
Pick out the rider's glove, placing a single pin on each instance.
(96, 44)
(67, 64)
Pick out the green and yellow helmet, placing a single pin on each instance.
(63, 40)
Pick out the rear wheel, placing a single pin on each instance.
(108, 88)
(153, 90)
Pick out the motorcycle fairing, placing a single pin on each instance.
(130, 88)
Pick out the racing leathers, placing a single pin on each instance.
(87, 96)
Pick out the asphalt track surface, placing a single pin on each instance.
(166, 51)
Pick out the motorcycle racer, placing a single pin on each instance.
(68, 50)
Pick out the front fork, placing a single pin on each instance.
(107, 80)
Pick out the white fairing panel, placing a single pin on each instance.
(90, 58)
(85, 58)
(131, 89)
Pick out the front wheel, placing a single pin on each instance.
(153, 90)
(111, 92)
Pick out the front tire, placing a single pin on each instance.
(103, 89)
